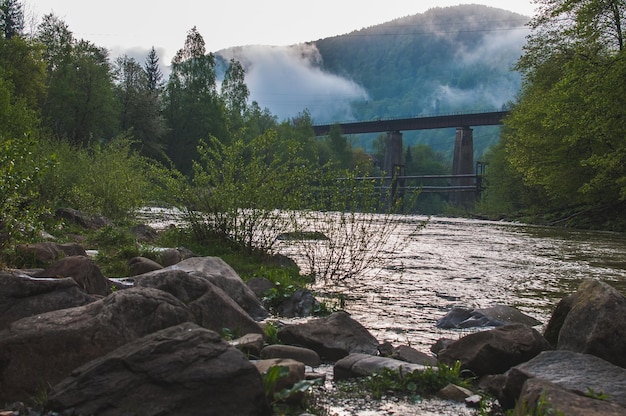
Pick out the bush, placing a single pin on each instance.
(106, 178)
(20, 172)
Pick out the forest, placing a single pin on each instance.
(103, 135)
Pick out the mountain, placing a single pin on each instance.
(452, 59)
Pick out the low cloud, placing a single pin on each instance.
(288, 80)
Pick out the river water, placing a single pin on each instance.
(472, 263)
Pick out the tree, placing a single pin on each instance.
(11, 18)
(564, 134)
(153, 71)
(193, 108)
(139, 106)
(80, 104)
(235, 94)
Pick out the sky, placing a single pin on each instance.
(127, 25)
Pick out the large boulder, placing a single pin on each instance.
(580, 373)
(548, 398)
(22, 296)
(497, 315)
(183, 370)
(211, 307)
(592, 321)
(47, 252)
(332, 337)
(496, 350)
(218, 272)
(42, 350)
(82, 269)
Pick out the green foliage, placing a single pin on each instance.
(20, 173)
(238, 189)
(412, 385)
(599, 395)
(108, 179)
(271, 333)
(193, 109)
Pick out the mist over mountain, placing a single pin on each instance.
(452, 59)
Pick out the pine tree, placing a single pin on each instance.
(153, 71)
(11, 18)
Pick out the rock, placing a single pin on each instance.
(496, 350)
(93, 222)
(260, 286)
(594, 322)
(211, 307)
(144, 233)
(218, 272)
(542, 397)
(141, 265)
(332, 337)
(301, 303)
(249, 344)
(454, 393)
(294, 375)
(22, 296)
(47, 252)
(303, 355)
(184, 369)
(411, 355)
(440, 344)
(569, 370)
(42, 350)
(83, 270)
(361, 365)
(497, 315)
(172, 256)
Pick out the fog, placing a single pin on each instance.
(288, 80)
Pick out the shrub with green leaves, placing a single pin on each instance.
(239, 188)
(20, 172)
(108, 178)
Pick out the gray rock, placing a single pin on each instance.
(592, 321)
(211, 307)
(411, 355)
(83, 270)
(42, 350)
(294, 375)
(361, 365)
(570, 370)
(260, 286)
(497, 315)
(304, 355)
(218, 272)
(301, 304)
(22, 296)
(47, 252)
(332, 337)
(454, 393)
(184, 369)
(249, 344)
(141, 265)
(542, 397)
(93, 222)
(496, 350)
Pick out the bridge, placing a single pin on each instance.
(464, 176)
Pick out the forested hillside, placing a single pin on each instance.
(453, 59)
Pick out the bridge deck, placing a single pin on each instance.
(417, 123)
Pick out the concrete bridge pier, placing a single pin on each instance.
(393, 165)
(463, 164)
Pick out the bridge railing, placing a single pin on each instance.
(414, 183)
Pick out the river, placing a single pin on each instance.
(473, 263)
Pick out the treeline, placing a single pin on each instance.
(107, 137)
(562, 155)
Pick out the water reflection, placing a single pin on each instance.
(471, 263)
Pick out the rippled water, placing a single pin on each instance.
(472, 263)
